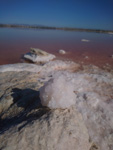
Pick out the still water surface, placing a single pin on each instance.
(16, 42)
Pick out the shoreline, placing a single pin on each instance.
(86, 60)
(56, 28)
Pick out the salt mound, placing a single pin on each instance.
(57, 93)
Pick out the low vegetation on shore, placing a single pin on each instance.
(55, 28)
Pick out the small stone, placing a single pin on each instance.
(85, 40)
(61, 51)
(86, 57)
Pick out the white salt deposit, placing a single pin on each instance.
(57, 93)
(36, 59)
(91, 94)
(50, 68)
(20, 67)
(60, 65)
(61, 51)
(60, 91)
(46, 69)
(89, 90)
(85, 40)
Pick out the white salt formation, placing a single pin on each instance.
(39, 56)
(57, 93)
(20, 67)
(85, 40)
(55, 130)
(61, 51)
(90, 90)
(92, 95)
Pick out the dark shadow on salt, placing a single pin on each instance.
(26, 98)
(29, 101)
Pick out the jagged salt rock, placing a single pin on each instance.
(39, 56)
(38, 51)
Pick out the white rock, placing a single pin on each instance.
(39, 59)
(86, 57)
(85, 40)
(38, 51)
(39, 56)
(61, 51)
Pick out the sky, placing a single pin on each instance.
(92, 14)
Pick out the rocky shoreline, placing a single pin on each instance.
(26, 124)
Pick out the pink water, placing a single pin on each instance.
(16, 42)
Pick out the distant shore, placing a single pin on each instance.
(55, 28)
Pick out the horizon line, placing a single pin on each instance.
(36, 26)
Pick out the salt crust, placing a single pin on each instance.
(36, 58)
(63, 83)
(91, 94)
(44, 69)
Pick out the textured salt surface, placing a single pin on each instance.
(91, 94)
(90, 90)
(39, 56)
(35, 58)
(48, 67)
(58, 93)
